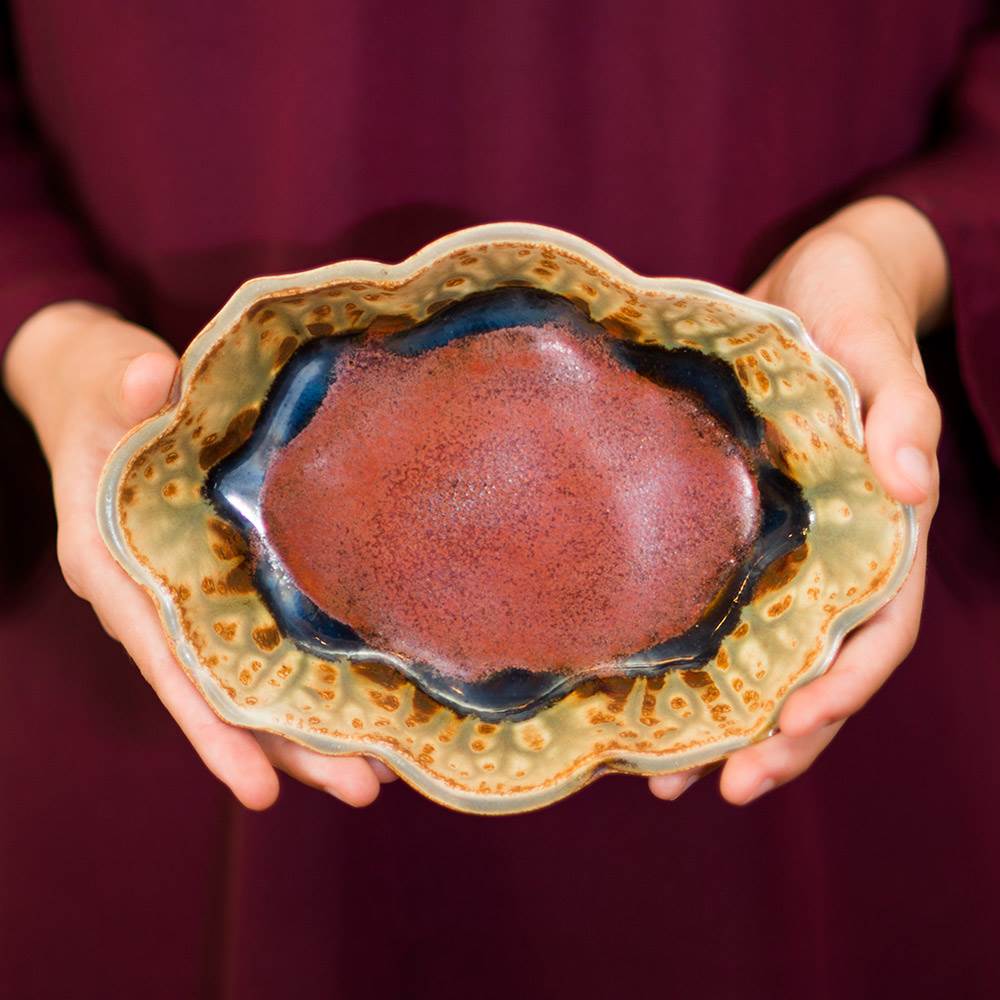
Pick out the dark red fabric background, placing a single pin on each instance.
(153, 156)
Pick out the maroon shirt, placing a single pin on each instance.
(153, 156)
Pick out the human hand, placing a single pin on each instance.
(864, 283)
(84, 377)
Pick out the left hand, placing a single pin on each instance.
(864, 283)
(84, 376)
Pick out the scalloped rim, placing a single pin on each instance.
(256, 289)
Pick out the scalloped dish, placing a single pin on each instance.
(505, 515)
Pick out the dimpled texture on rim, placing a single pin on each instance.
(157, 523)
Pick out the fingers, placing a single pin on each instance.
(864, 663)
(350, 779)
(814, 714)
(903, 420)
(861, 288)
(854, 310)
(123, 609)
(131, 380)
(108, 630)
(902, 417)
(672, 786)
(382, 771)
(751, 773)
(231, 754)
(143, 386)
(239, 758)
(901, 433)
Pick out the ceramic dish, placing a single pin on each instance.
(247, 585)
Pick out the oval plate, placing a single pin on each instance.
(157, 519)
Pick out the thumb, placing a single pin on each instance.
(901, 433)
(143, 386)
(902, 418)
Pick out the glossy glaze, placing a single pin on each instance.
(180, 509)
(520, 498)
(339, 547)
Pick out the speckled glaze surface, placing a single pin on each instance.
(158, 523)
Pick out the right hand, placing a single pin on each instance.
(84, 377)
(864, 282)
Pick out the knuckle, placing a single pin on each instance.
(910, 635)
(71, 565)
(934, 496)
(856, 336)
(830, 248)
(912, 389)
(857, 322)
(843, 330)
(917, 394)
(106, 625)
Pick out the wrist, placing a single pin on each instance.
(62, 357)
(41, 342)
(908, 249)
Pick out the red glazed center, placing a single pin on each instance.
(516, 498)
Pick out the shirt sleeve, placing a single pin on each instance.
(956, 185)
(45, 253)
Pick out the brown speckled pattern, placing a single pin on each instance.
(158, 525)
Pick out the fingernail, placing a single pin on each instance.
(762, 789)
(914, 465)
